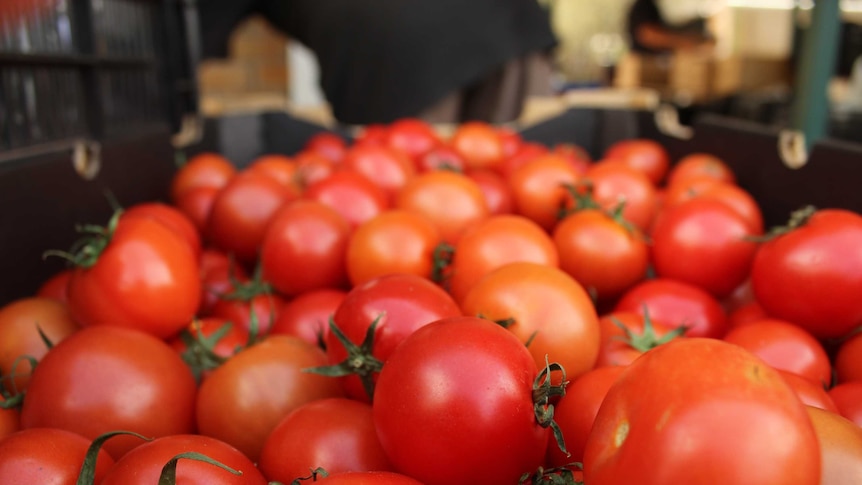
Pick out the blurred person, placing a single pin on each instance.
(650, 32)
(445, 61)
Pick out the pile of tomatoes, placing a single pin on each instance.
(463, 309)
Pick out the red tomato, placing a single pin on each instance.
(335, 434)
(280, 168)
(601, 252)
(106, 378)
(373, 134)
(848, 359)
(614, 183)
(724, 404)
(676, 303)
(197, 204)
(544, 306)
(143, 465)
(387, 167)
(368, 478)
(242, 211)
(809, 392)
(413, 137)
(10, 420)
(202, 170)
(526, 153)
(395, 241)
(627, 335)
(784, 346)
(704, 243)
(538, 188)
(441, 157)
(20, 323)
(511, 140)
(350, 194)
(848, 400)
(307, 316)
(304, 248)
(312, 167)
(207, 342)
(479, 143)
(170, 217)
(750, 312)
(495, 189)
(219, 275)
(576, 155)
(242, 401)
(646, 156)
(700, 165)
(328, 145)
(401, 304)
(840, 447)
(811, 275)
(490, 423)
(450, 200)
(56, 287)
(47, 456)
(731, 195)
(576, 411)
(146, 277)
(249, 305)
(493, 243)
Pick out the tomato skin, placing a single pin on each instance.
(809, 392)
(549, 308)
(388, 168)
(848, 400)
(441, 157)
(335, 434)
(351, 194)
(20, 322)
(305, 248)
(197, 204)
(47, 456)
(202, 170)
(615, 350)
(647, 156)
(307, 316)
(10, 420)
(218, 275)
(479, 143)
(498, 195)
(312, 167)
(412, 136)
(614, 182)
(700, 165)
(147, 278)
(368, 478)
(241, 401)
(401, 303)
(428, 388)
(169, 216)
(231, 342)
(676, 303)
(56, 287)
(848, 359)
(526, 153)
(750, 312)
(840, 447)
(280, 168)
(107, 378)
(811, 275)
(538, 188)
(732, 196)
(784, 346)
(328, 145)
(727, 415)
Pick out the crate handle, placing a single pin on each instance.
(87, 158)
(191, 131)
(667, 122)
(792, 148)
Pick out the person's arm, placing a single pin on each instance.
(657, 37)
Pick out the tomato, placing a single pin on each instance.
(613, 183)
(544, 306)
(169, 216)
(840, 447)
(511, 140)
(249, 305)
(733, 196)
(441, 157)
(387, 167)
(373, 134)
(219, 274)
(56, 287)
(576, 155)
(312, 167)
(601, 252)
(242, 211)
(676, 303)
(10, 420)
(47, 456)
(496, 241)
(307, 316)
(107, 378)
(647, 156)
(700, 165)
(197, 204)
(413, 137)
(479, 143)
(242, 401)
(809, 392)
(538, 188)
(350, 194)
(395, 241)
(628, 335)
(704, 243)
(700, 410)
(335, 434)
(280, 168)
(848, 359)
(811, 275)
(472, 405)
(576, 411)
(526, 153)
(137, 274)
(784, 346)
(848, 400)
(328, 145)
(452, 201)
(20, 323)
(368, 478)
(495, 189)
(143, 465)
(304, 248)
(750, 312)
(400, 304)
(202, 170)
(206, 342)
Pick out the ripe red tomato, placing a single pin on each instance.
(307, 316)
(750, 312)
(614, 183)
(305, 247)
(785, 346)
(335, 434)
(143, 465)
(169, 216)
(412, 136)
(676, 303)
(811, 275)
(700, 165)
(206, 342)
(848, 400)
(450, 200)
(280, 168)
(511, 139)
(56, 287)
(10, 419)
(368, 478)
(243, 400)
(498, 195)
(328, 145)
(312, 167)
(47, 455)
(197, 204)
(840, 447)
(479, 143)
(538, 188)
(20, 323)
(202, 170)
(106, 378)
(526, 153)
(701, 411)
(351, 194)
(733, 196)
(146, 277)
(251, 310)
(627, 335)
(809, 392)
(387, 167)
(848, 359)
(441, 157)
(544, 306)
(646, 156)
(219, 275)
(490, 422)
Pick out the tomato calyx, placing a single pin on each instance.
(360, 359)
(647, 339)
(441, 262)
(543, 394)
(581, 199)
(169, 472)
(798, 218)
(245, 291)
(14, 397)
(87, 476)
(199, 353)
(317, 472)
(562, 475)
(85, 252)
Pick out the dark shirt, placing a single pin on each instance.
(381, 60)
